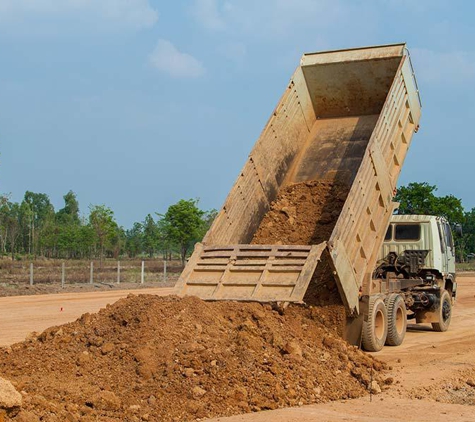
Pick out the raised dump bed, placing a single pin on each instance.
(338, 138)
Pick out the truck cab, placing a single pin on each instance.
(415, 275)
(424, 233)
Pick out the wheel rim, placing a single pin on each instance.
(379, 324)
(446, 310)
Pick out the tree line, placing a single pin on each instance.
(34, 228)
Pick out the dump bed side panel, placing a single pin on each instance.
(265, 169)
(360, 230)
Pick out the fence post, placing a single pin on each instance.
(91, 278)
(62, 275)
(31, 273)
(165, 271)
(143, 273)
(118, 272)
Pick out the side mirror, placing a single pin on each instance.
(458, 229)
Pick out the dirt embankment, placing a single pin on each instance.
(171, 359)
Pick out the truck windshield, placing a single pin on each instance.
(407, 232)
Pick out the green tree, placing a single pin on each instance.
(451, 208)
(150, 235)
(35, 209)
(5, 205)
(420, 199)
(182, 225)
(208, 219)
(466, 243)
(48, 237)
(13, 223)
(69, 214)
(134, 240)
(86, 240)
(416, 198)
(101, 219)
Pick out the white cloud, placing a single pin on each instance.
(206, 12)
(133, 14)
(453, 66)
(168, 59)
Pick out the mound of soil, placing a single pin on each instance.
(303, 214)
(149, 358)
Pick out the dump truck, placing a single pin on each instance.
(417, 264)
(346, 118)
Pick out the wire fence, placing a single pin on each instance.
(88, 272)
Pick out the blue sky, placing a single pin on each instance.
(139, 103)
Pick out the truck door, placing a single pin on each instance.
(443, 245)
(450, 248)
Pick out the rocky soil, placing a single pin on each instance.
(171, 359)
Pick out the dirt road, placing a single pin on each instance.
(20, 315)
(425, 359)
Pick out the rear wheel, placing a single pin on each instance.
(375, 329)
(397, 319)
(445, 313)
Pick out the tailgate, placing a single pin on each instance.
(263, 273)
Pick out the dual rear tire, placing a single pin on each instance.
(386, 322)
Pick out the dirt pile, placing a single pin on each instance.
(303, 214)
(149, 358)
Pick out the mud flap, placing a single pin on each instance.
(354, 325)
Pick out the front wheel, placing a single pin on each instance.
(445, 313)
(375, 329)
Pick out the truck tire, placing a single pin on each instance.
(375, 328)
(397, 319)
(445, 313)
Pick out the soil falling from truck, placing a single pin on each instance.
(305, 214)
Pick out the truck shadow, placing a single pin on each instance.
(418, 328)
